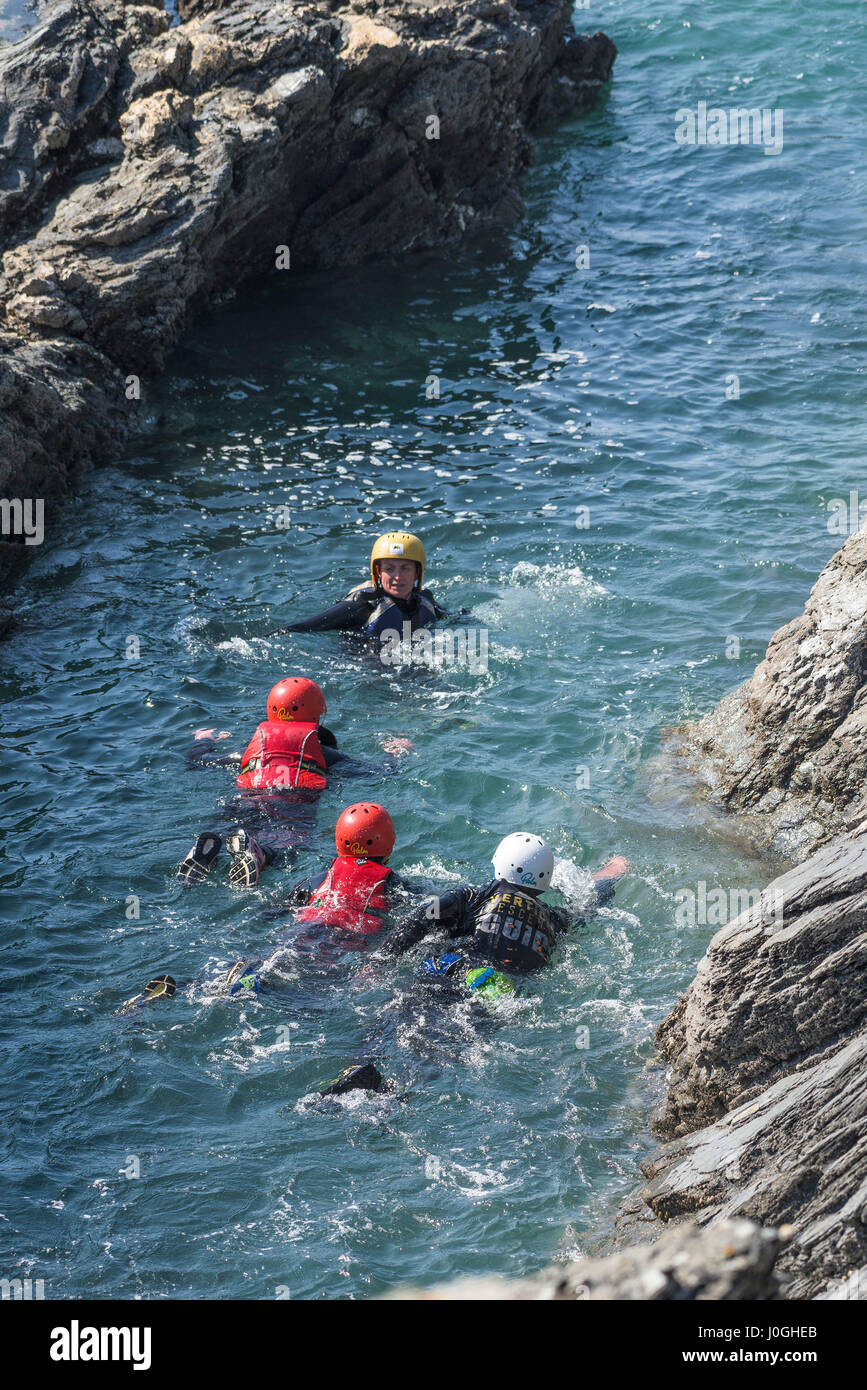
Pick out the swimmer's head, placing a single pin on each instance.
(364, 831)
(525, 860)
(397, 563)
(298, 698)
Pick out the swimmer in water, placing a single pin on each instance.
(501, 932)
(342, 909)
(282, 774)
(395, 597)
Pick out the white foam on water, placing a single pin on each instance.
(434, 872)
(551, 578)
(243, 648)
(576, 884)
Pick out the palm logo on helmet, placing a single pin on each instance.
(365, 831)
(398, 545)
(296, 697)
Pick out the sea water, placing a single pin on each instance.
(622, 430)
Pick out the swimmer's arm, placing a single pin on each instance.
(604, 880)
(299, 895)
(449, 911)
(355, 767)
(347, 616)
(398, 884)
(444, 612)
(203, 753)
(562, 921)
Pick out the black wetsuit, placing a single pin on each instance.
(508, 926)
(506, 930)
(369, 611)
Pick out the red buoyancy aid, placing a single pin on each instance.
(283, 753)
(350, 897)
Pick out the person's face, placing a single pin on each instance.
(397, 577)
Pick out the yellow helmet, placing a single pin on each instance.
(398, 545)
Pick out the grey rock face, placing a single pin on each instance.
(147, 169)
(789, 747)
(731, 1260)
(768, 1051)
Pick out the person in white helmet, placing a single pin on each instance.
(503, 929)
(505, 922)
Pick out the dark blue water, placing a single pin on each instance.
(561, 388)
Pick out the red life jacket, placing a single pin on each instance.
(350, 897)
(283, 753)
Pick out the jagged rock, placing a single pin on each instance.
(768, 1051)
(789, 747)
(731, 1260)
(56, 92)
(147, 170)
(62, 408)
(796, 1153)
(780, 987)
(854, 1286)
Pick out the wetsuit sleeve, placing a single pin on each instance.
(397, 884)
(561, 919)
(326, 738)
(204, 753)
(347, 616)
(604, 894)
(449, 911)
(298, 896)
(354, 767)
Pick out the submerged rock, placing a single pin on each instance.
(148, 169)
(732, 1260)
(789, 747)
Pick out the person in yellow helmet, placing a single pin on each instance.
(394, 597)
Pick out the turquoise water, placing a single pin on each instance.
(560, 388)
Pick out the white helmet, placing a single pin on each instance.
(524, 860)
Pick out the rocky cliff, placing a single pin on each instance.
(148, 169)
(788, 749)
(731, 1261)
(766, 1112)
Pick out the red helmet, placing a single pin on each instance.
(365, 831)
(296, 697)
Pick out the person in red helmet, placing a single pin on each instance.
(281, 774)
(342, 909)
(286, 749)
(352, 895)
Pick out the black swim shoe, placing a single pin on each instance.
(201, 858)
(366, 1076)
(248, 859)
